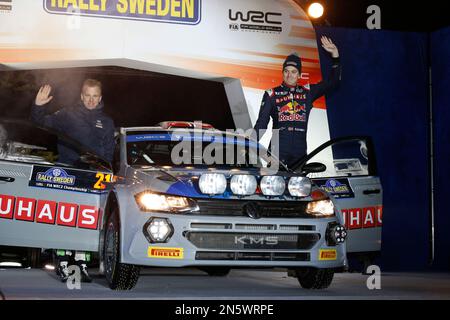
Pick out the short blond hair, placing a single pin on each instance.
(92, 83)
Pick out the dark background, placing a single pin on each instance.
(399, 15)
(384, 94)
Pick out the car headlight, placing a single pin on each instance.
(299, 186)
(243, 184)
(322, 208)
(212, 183)
(149, 201)
(272, 185)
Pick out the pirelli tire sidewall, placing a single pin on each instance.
(120, 276)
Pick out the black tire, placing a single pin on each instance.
(120, 276)
(216, 271)
(313, 278)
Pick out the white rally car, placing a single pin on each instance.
(215, 217)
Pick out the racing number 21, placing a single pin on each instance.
(102, 177)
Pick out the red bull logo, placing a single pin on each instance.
(291, 112)
(292, 108)
(286, 108)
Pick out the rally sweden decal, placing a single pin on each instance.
(70, 179)
(168, 11)
(55, 175)
(339, 188)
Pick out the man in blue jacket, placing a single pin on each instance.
(289, 105)
(84, 122)
(87, 124)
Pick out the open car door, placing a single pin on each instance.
(351, 177)
(44, 203)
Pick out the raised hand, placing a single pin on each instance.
(43, 96)
(329, 46)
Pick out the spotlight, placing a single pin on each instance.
(315, 10)
(158, 230)
(335, 234)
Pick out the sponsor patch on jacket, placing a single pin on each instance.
(49, 212)
(362, 218)
(99, 124)
(296, 96)
(339, 188)
(165, 253)
(327, 255)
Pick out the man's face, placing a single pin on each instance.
(291, 75)
(91, 97)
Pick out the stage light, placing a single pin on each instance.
(315, 10)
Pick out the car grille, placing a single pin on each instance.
(252, 256)
(244, 241)
(252, 227)
(267, 209)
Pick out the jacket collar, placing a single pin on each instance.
(85, 110)
(288, 87)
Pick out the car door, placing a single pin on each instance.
(351, 177)
(44, 203)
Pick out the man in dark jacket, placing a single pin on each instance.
(87, 124)
(289, 105)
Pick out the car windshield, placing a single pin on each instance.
(171, 148)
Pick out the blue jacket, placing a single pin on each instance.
(91, 128)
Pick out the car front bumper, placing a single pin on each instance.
(201, 240)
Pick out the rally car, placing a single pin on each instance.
(182, 194)
(46, 204)
(192, 196)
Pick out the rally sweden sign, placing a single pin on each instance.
(170, 11)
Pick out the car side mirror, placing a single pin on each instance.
(314, 167)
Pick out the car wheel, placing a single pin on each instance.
(216, 271)
(120, 276)
(313, 278)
